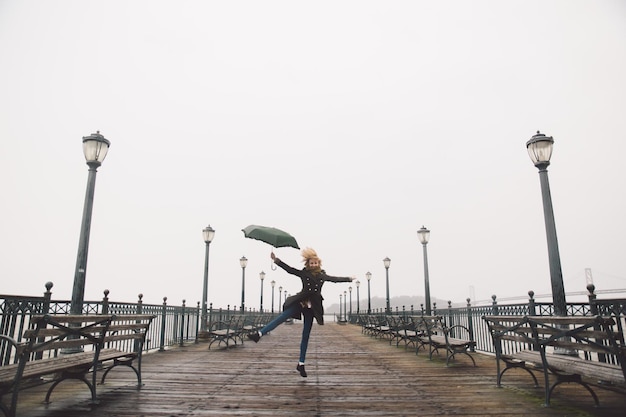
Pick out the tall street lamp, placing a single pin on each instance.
(540, 150)
(368, 275)
(358, 284)
(350, 291)
(207, 234)
(262, 276)
(387, 262)
(280, 293)
(340, 307)
(273, 284)
(424, 235)
(95, 148)
(345, 310)
(243, 261)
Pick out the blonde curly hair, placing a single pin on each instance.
(309, 253)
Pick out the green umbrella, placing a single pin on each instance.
(270, 235)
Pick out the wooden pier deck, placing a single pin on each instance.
(350, 374)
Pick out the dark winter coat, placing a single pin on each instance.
(311, 290)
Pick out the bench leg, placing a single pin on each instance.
(515, 366)
(575, 380)
(128, 363)
(464, 353)
(92, 388)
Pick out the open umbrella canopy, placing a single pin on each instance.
(271, 235)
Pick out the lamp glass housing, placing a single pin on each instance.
(262, 275)
(208, 233)
(368, 276)
(424, 235)
(387, 262)
(540, 148)
(95, 147)
(243, 261)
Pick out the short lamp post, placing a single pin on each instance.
(207, 234)
(95, 148)
(262, 277)
(345, 310)
(540, 151)
(424, 235)
(358, 309)
(280, 294)
(368, 275)
(273, 284)
(387, 262)
(243, 261)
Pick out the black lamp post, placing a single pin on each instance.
(350, 292)
(95, 148)
(358, 309)
(273, 284)
(345, 310)
(207, 233)
(340, 307)
(243, 261)
(280, 294)
(262, 276)
(368, 275)
(387, 262)
(540, 150)
(424, 235)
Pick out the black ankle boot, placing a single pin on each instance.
(300, 368)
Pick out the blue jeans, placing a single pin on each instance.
(306, 330)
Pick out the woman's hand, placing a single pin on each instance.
(272, 256)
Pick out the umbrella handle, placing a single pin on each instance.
(273, 266)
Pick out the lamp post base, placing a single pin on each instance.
(203, 336)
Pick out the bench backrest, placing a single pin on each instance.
(128, 332)
(592, 337)
(429, 325)
(53, 333)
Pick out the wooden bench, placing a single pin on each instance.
(60, 347)
(579, 349)
(433, 334)
(227, 331)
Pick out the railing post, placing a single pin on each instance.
(47, 296)
(593, 309)
(210, 314)
(532, 308)
(422, 308)
(182, 323)
(434, 309)
(163, 320)
(450, 319)
(494, 305)
(197, 321)
(137, 345)
(105, 302)
(470, 324)
(140, 304)
(593, 306)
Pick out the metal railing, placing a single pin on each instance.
(176, 325)
(471, 316)
(173, 325)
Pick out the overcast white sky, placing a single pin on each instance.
(349, 124)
